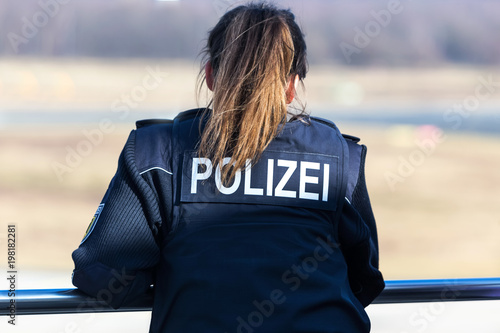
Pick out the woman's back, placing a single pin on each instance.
(237, 214)
(261, 252)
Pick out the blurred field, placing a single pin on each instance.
(442, 220)
(96, 84)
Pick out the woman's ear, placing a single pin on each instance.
(209, 75)
(290, 90)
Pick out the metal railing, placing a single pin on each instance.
(60, 301)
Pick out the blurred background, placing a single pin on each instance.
(417, 81)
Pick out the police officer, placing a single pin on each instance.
(243, 217)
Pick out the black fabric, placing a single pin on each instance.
(123, 239)
(361, 201)
(230, 254)
(223, 256)
(359, 238)
(355, 160)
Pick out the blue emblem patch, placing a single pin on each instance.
(92, 224)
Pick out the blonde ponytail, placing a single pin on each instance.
(250, 76)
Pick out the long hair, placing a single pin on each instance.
(254, 50)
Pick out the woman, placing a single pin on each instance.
(244, 218)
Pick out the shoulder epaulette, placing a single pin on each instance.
(331, 124)
(351, 138)
(189, 114)
(181, 116)
(149, 122)
(357, 154)
(324, 121)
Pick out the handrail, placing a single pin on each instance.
(61, 301)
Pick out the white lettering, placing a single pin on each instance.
(195, 176)
(248, 181)
(218, 181)
(270, 175)
(326, 182)
(304, 179)
(296, 184)
(279, 192)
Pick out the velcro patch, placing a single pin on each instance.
(279, 178)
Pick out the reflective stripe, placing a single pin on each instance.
(156, 168)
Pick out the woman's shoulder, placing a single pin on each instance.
(150, 122)
(331, 124)
(162, 122)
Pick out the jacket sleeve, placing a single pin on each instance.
(359, 242)
(116, 259)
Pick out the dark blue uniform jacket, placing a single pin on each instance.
(290, 245)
